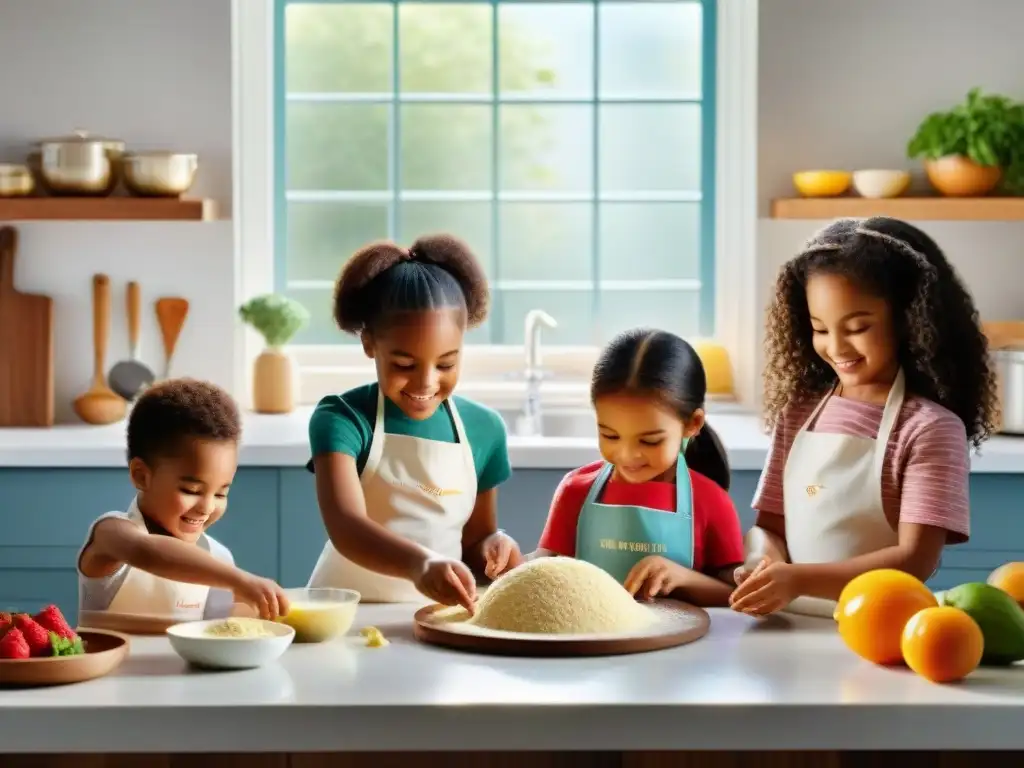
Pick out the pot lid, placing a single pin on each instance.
(80, 136)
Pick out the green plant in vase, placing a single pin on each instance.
(277, 319)
(972, 147)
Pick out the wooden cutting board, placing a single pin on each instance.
(26, 347)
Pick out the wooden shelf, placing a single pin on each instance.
(909, 208)
(106, 209)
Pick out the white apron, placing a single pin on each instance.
(422, 490)
(142, 594)
(832, 496)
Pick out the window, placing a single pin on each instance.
(570, 142)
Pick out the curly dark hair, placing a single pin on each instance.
(177, 410)
(383, 279)
(942, 349)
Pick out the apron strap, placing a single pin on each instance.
(377, 442)
(684, 497)
(460, 431)
(598, 485)
(893, 405)
(817, 409)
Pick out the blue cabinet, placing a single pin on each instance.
(273, 525)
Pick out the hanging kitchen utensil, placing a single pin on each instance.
(26, 347)
(170, 313)
(100, 404)
(129, 377)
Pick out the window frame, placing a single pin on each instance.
(489, 371)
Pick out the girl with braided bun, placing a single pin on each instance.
(877, 384)
(407, 473)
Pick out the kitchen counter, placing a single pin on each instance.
(781, 684)
(281, 441)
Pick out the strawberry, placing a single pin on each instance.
(6, 622)
(51, 619)
(38, 639)
(13, 645)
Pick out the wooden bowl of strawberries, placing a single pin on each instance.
(44, 650)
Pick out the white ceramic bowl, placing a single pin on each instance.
(191, 643)
(321, 613)
(878, 184)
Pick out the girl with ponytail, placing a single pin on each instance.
(655, 511)
(407, 473)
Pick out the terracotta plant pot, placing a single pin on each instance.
(958, 176)
(273, 382)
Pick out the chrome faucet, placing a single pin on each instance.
(536, 320)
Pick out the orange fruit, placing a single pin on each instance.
(942, 644)
(1010, 579)
(874, 608)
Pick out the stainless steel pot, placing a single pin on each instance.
(1009, 368)
(159, 174)
(80, 164)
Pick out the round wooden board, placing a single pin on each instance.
(104, 652)
(682, 623)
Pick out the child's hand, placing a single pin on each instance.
(744, 572)
(654, 576)
(770, 587)
(501, 553)
(265, 596)
(448, 582)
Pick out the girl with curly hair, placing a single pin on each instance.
(877, 384)
(407, 473)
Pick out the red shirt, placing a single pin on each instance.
(717, 538)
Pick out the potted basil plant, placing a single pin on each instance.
(972, 147)
(277, 319)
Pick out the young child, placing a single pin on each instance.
(877, 383)
(655, 512)
(154, 564)
(407, 474)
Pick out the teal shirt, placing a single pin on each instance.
(344, 424)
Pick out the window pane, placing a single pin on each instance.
(338, 47)
(651, 49)
(572, 309)
(546, 48)
(321, 236)
(547, 148)
(650, 241)
(546, 241)
(445, 48)
(470, 221)
(446, 147)
(650, 147)
(321, 328)
(675, 311)
(337, 146)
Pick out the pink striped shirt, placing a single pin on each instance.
(926, 469)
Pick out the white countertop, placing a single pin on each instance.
(786, 683)
(282, 441)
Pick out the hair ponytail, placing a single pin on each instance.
(706, 454)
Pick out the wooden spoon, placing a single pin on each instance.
(100, 405)
(171, 312)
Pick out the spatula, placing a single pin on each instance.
(171, 312)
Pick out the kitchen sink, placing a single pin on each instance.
(555, 422)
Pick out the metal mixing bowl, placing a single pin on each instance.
(159, 174)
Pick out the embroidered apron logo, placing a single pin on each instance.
(433, 490)
(647, 547)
